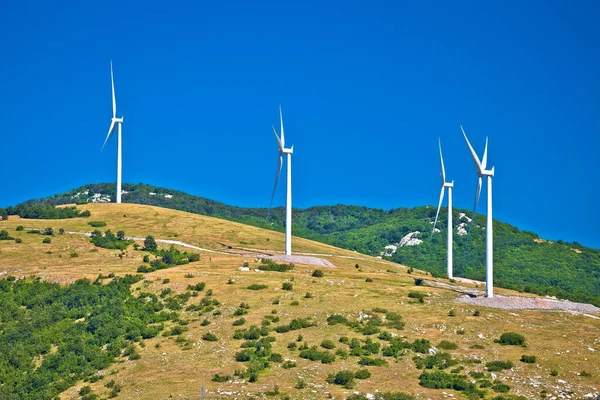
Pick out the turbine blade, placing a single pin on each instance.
(474, 207)
(282, 134)
(473, 154)
(275, 186)
(484, 159)
(442, 162)
(438, 211)
(112, 126)
(114, 100)
(279, 143)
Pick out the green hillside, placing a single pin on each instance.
(522, 261)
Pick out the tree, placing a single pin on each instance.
(48, 231)
(150, 243)
(121, 235)
(96, 233)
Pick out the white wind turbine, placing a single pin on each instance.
(113, 122)
(445, 185)
(288, 204)
(489, 249)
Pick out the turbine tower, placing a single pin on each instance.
(115, 121)
(288, 203)
(489, 250)
(445, 185)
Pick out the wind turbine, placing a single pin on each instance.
(489, 249)
(445, 185)
(288, 204)
(115, 121)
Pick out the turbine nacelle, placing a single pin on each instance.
(448, 184)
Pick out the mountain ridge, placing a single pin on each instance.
(523, 260)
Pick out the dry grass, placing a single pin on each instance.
(559, 340)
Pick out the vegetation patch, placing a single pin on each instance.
(97, 224)
(496, 366)
(267, 264)
(86, 324)
(110, 240)
(44, 211)
(511, 339)
(256, 286)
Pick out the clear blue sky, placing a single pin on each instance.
(366, 89)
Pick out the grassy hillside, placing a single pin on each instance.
(180, 334)
(522, 260)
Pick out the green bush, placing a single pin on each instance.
(97, 224)
(446, 345)
(270, 265)
(369, 280)
(344, 378)
(495, 366)
(20, 228)
(221, 378)
(18, 240)
(4, 236)
(239, 322)
(194, 257)
(210, 337)
(256, 286)
(362, 374)
(328, 344)
(511, 339)
(369, 361)
(287, 286)
(47, 240)
(146, 258)
(528, 359)
(317, 273)
(73, 255)
(500, 387)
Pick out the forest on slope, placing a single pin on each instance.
(522, 260)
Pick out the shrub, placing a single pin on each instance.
(476, 313)
(416, 295)
(289, 364)
(97, 224)
(20, 228)
(418, 281)
(362, 374)
(495, 366)
(194, 258)
(275, 357)
(239, 322)
(313, 354)
(369, 280)
(511, 339)
(210, 337)
(451, 313)
(287, 286)
(585, 374)
(4, 236)
(446, 345)
(47, 240)
(317, 273)
(205, 322)
(554, 372)
(198, 287)
(372, 361)
(344, 378)
(308, 295)
(328, 344)
(32, 231)
(61, 231)
(295, 303)
(146, 258)
(500, 387)
(270, 265)
(221, 378)
(256, 286)
(18, 240)
(48, 231)
(150, 244)
(74, 255)
(528, 359)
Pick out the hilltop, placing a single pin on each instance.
(395, 329)
(522, 260)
